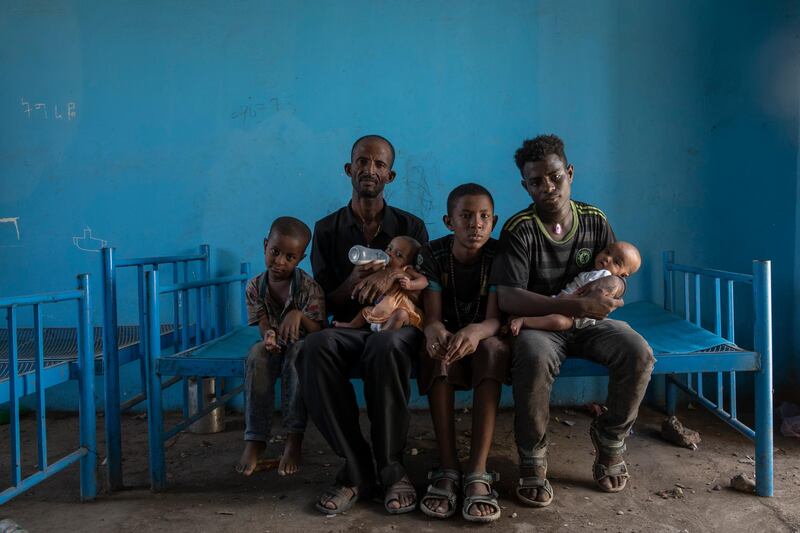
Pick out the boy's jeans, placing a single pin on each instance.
(536, 359)
(263, 369)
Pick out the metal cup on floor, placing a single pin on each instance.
(202, 391)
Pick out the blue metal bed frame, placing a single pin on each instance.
(40, 379)
(114, 358)
(758, 361)
(226, 355)
(685, 371)
(157, 435)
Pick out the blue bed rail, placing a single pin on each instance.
(155, 417)
(112, 359)
(692, 382)
(86, 453)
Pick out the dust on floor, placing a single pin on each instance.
(205, 494)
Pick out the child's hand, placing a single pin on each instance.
(462, 343)
(515, 325)
(436, 342)
(271, 341)
(405, 282)
(289, 330)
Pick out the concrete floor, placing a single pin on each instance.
(205, 494)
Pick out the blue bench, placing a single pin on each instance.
(685, 352)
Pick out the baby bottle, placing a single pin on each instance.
(361, 255)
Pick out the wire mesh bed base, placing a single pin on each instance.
(61, 345)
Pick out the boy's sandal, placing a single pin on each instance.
(401, 488)
(534, 482)
(340, 497)
(436, 493)
(601, 471)
(485, 478)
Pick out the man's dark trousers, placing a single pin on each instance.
(385, 359)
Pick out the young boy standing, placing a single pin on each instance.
(287, 304)
(462, 319)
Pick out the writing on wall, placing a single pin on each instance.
(255, 111)
(46, 111)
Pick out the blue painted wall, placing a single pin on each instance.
(161, 126)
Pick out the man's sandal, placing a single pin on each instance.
(340, 497)
(436, 493)
(402, 487)
(601, 471)
(485, 478)
(534, 482)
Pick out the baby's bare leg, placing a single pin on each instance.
(358, 322)
(552, 322)
(396, 320)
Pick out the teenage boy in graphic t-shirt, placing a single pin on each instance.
(542, 248)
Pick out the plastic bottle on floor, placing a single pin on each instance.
(9, 526)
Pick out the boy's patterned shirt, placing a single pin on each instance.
(305, 294)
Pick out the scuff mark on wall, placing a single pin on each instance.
(88, 243)
(11, 220)
(417, 190)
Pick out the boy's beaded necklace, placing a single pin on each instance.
(477, 301)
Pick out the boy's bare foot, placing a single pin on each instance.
(290, 460)
(250, 456)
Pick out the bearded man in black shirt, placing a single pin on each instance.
(385, 357)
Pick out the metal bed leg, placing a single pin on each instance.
(113, 423)
(14, 395)
(204, 294)
(87, 413)
(762, 292)
(671, 395)
(155, 423)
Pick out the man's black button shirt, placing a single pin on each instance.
(336, 233)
